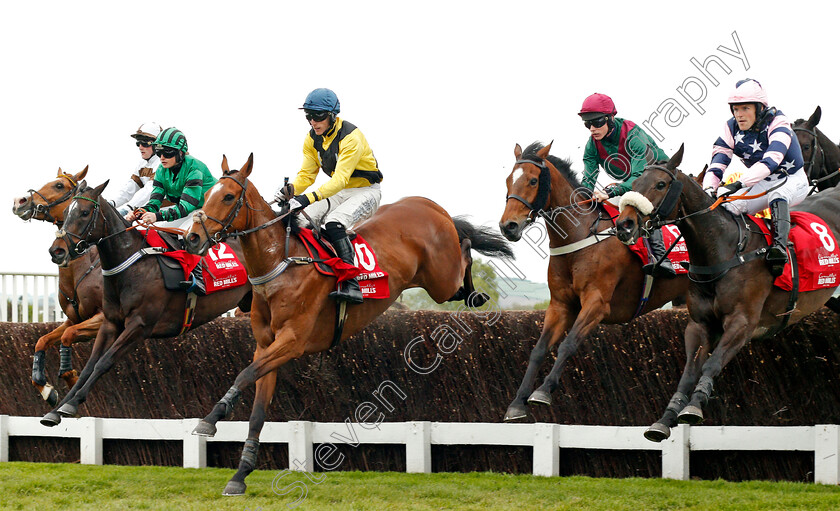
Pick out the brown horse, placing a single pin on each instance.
(729, 301)
(79, 284)
(416, 243)
(592, 279)
(821, 155)
(136, 304)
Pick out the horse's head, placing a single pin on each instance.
(807, 136)
(49, 202)
(222, 205)
(84, 225)
(655, 196)
(529, 185)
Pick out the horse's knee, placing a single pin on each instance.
(69, 336)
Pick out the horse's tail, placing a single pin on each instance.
(484, 239)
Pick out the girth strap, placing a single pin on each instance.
(579, 245)
(133, 258)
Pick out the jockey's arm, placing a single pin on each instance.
(190, 200)
(308, 169)
(722, 152)
(779, 143)
(590, 165)
(636, 146)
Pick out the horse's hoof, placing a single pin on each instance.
(204, 428)
(516, 412)
(68, 410)
(691, 415)
(51, 419)
(657, 432)
(234, 489)
(540, 397)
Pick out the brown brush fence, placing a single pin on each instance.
(622, 375)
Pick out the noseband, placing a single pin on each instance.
(543, 189)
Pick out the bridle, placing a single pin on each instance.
(223, 234)
(82, 245)
(543, 190)
(44, 209)
(816, 147)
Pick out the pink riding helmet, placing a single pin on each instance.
(597, 105)
(748, 91)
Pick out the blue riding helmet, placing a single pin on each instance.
(322, 100)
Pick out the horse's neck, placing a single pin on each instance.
(566, 224)
(117, 246)
(266, 248)
(711, 236)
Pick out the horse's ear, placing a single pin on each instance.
(675, 160)
(98, 190)
(225, 168)
(248, 167)
(543, 153)
(517, 151)
(814, 119)
(700, 177)
(82, 185)
(60, 172)
(81, 175)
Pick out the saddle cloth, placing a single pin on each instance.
(220, 268)
(372, 279)
(669, 234)
(817, 253)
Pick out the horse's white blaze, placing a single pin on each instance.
(517, 174)
(216, 187)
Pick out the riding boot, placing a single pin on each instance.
(348, 290)
(657, 248)
(777, 254)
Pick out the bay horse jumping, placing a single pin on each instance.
(416, 243)
(821, 155)
(729, 301)
(136, 304)
(79, 284)
(592, 277)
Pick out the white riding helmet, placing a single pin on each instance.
(147, 130)
(748, 91)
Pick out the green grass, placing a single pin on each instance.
(43, 486)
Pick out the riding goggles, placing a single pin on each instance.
(315, 115)
(144, 143)
(600, 121)
(166, 152)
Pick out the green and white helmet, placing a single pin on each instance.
(172, 137)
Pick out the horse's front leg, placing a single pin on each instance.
(736, 330)
(39, 375)
(594, 308)
(84, 331)
(107, 334)
(696, 352)
(135, 330)
(557, 318)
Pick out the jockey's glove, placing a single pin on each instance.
(298, 202)
(729, 189)
(284, 192)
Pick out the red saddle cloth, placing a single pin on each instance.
(817, 254)
(221, 268)
(372, 279)
(669, 234)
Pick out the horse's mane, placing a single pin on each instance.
(564, 165)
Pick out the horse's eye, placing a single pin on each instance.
(533, 181)
(85, 212)
(60, 186)
(806, 147)
(228, 197)
(660, 185)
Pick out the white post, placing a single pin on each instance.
(90, 440)
(546, 449)
(676, 453)
(4, 438)
(418, 447)
(300, 446)
(195, 446)
(827, 454)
